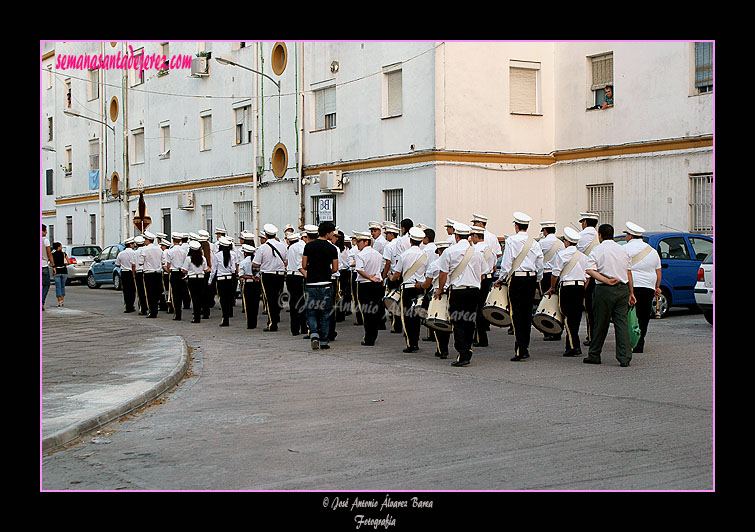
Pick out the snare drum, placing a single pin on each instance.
(392, 301)
(496, 308)
(548, 318)
(437, 314)
(418, 306)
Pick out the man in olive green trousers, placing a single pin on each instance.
(609, 265)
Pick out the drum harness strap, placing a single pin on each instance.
(552, 251)
(641, 255)
(570, 265)
(523, 253)
(459, 268)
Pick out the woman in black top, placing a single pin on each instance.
(60, 262)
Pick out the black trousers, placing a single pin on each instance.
(272, 287)
(153, 283)
(344, 305)
(295, 287)
(411, 322)
(571, 303)
(128, 284)
(462, 312)
(358, 318)
(141, 292)
(521, 300)
(250, 293)
(197, 287)
(644, 308)
(442, 339)
(177, 292)
(482, 325)
(165, 303)
(226, 293)
(393, 319)
(208, 296)
(589, 314)
(370, 297)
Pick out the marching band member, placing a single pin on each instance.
(390, 256)
(208, 294)
(163, 304)
(194, 268)
(378, 239)
(646, 277)
(482, 326)
(175, 258)
(295, 283)
(153, 280)
(568, 281)
(270, 258)
(250, 286)
(550, 245)
(410, 272)
(463, 288)
(223, 269)
(432, 273)
(369, 286)
(141, 294)
(522, 281)
(588, 239)
(126, 261)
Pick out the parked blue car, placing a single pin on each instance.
(681, 255)
(103, 270)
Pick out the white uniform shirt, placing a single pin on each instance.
(492, 241)
(433, 270)
(219, 268)
(451, 238)
(533, 261)
(586, 236)
(545, 245)
(487, 265)
(294, 256)
(245, 267)
(337, 274)
(644, 273)
(176, 257)
(453, 256)
(343, 260)
(267, 259)
(388, 252)
(406, 260)
(191, 269)
(140, 258)
(126, 259)
(380, 243)
(562, 258)
(370, 262)
(351, 257)
(611, 260)
(153, 258)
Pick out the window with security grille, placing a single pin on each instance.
(704, 66)
(243, 210)
(207, 218)
(602, 76)
(701, 204)
(93, 228)
(69, 230)
(94, 154)
(165, 213)
(600, 201)
(393, 205)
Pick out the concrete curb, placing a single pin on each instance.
(74, 431)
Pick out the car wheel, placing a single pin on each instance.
(661, 304)
(116, 281)
(91, 283)
(708, 316)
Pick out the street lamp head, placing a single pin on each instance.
(224, 61)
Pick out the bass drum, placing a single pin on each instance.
(437, 314)
(496, 308)
(548, 318)
(392, 301)
(418, 306)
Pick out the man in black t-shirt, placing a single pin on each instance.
(319, 262)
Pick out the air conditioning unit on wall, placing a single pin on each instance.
(186, 201)
(331, 181)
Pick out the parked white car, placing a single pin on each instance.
(704, 288)
(80, 258)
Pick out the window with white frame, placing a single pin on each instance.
(243, 210)
(243, 124)
(164, 140)
(68, 94)
(93, 86)
(164, 51)
(701, 203)
(68, 168)
(49, 76)
(136, 76)
(69, 230)
(137, 145)
(49, 129)
(392, 101)
(165, 215)
(93, 229)
(524, 81)
(205, 131)
(703, 67)
(600, 201)
(325, 108)
(602, 76)
(94, 154)
(207, 218)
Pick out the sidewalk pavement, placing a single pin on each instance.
(97, 370)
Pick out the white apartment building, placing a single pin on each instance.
(360, 131)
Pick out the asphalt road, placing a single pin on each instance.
(262, 411)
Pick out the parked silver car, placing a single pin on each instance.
(80, 258)
(704, 288)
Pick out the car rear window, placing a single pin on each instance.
(83, 251)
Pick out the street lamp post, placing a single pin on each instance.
(224, 61)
